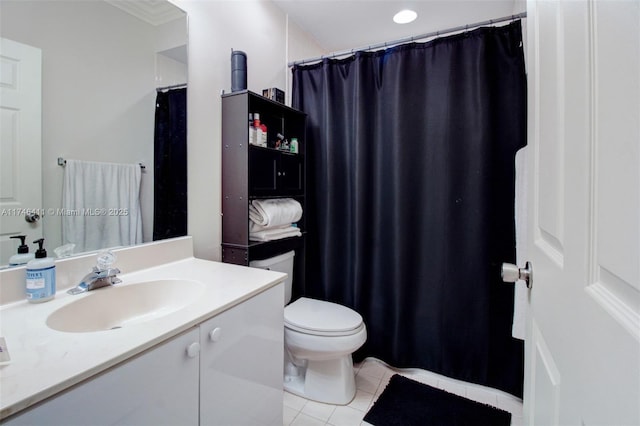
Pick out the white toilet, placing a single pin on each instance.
(319, 338)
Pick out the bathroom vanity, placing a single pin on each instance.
(212, 356)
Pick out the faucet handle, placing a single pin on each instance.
(105, 259)
(111, 273)
(105, 273)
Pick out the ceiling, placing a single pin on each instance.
(339, 25)
(154, 12)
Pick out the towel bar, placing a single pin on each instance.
(62, 162)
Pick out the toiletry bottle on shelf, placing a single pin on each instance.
(23, 256)
(294, 145)
(263, 141)
(41, 276)
(278, 142)
(256, 125)
(252, 130)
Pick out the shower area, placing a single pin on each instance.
(411, 181)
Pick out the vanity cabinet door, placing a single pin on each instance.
(241, 362)
(158, 387)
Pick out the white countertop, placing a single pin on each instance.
(45, 361)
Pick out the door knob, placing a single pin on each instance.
(31, 217)
(511, 273)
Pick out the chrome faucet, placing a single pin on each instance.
(102, 275)
(96, 279)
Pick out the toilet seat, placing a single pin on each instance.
(320, 318)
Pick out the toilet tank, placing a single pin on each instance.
(281, 263)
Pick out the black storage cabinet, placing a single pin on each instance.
(252, 172)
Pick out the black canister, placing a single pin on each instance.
(238, 70)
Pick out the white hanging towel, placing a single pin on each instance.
(275, 212)
(521, 297)
(101, 205)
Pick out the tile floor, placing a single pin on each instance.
(372, 376)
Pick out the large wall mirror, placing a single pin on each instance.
(102, 66)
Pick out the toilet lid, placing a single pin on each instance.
(321, 316)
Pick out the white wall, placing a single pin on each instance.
(300, 45)
(171, 60)
(215, 27)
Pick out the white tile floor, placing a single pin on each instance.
(372, 376)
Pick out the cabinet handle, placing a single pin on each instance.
(215, 334)
(193, 349)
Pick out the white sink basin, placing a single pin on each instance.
(120, 306)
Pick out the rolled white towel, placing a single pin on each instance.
(255, 216)
(275, 234)
(275, 211)
(254, 227)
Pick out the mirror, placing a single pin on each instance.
(101, 63)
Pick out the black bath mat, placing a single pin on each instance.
(405, 402)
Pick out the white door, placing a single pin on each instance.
(20, 144)
(582, 362)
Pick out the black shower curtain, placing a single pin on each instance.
(411, 190)
(170, 165)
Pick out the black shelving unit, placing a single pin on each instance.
(254, 172)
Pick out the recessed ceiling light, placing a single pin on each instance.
(405, 16)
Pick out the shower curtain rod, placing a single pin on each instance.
(175, 86)
(62, 162)
(410, 39)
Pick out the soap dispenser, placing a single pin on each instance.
(41, 276)
(23, 255)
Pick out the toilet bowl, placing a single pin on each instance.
(319, 339)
